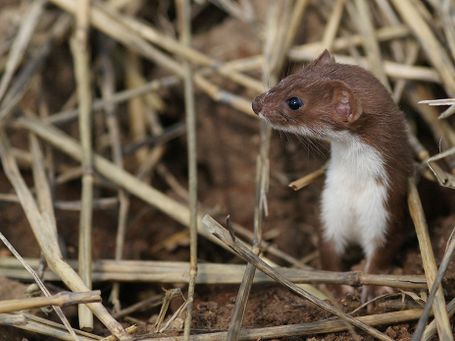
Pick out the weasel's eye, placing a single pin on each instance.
(294, 103)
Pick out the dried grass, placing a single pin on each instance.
(405, 45)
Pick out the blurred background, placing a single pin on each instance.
(114, 83)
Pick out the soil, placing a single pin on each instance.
(228, 143)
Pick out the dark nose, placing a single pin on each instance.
(257, 105)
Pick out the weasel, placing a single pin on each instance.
(364, 195)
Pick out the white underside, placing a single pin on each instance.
(354, 197)
(353, 208)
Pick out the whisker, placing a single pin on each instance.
(307, 142)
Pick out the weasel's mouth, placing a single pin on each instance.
(284, 123)
(276, 121)
(264, 117)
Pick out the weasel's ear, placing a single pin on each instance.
(324, 58)
(347, 106)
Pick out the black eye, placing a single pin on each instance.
(294, 103)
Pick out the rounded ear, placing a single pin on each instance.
(347, 105)
(324, 58)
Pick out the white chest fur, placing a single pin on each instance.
(354, 197)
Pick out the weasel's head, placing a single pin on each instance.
(309, 102)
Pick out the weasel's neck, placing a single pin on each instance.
(357, 158)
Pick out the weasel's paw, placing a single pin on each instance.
(370, 292)
(339, 291)
(346, 290)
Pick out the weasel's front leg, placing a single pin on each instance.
(378, 261)
(336, 223)
(330, 259)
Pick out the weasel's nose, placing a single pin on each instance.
(257, 105)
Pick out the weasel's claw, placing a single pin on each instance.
(339, 291)
(370, 292)
(347, 290)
